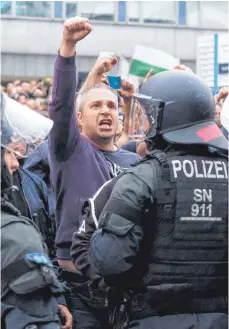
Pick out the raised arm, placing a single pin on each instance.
(65, 133)
(126, 92)
(97, 73)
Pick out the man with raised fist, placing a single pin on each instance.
(82, 159)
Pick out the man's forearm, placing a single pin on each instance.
(67, 49)
(61, 109)
(64, 133)
(127, 105)
(93, 78)
(102, 65)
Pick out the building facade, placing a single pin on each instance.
(31, 31)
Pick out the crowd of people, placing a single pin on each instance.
(129, 193)
(35, 94)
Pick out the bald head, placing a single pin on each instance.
(101, 90)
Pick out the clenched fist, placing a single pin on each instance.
(104, 64)
(75, 29)
(127, 89)
(222, 95)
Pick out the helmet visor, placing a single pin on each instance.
(25, 125)
(145, 117)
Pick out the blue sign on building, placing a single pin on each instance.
(223, 68)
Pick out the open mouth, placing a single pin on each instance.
(105, 123)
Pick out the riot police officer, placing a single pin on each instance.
(29, 287)
(162, 238)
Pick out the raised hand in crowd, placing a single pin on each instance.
(104, 64)
(126, 92)
(105, 80)
(127, 89)
(219, 99)
(182, 67)
(222, 95)
(75, 29)
(97, 73)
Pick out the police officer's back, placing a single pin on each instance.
(29, 287)
(163, 232)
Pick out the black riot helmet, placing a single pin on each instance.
(187, 114)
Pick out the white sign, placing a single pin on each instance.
(223, 58)
(205, 59)
(212, 60)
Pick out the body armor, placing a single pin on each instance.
(184, 267)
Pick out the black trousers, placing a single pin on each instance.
(183, 321)
(85, 316)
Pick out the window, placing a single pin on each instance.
(133, 11)
(70, 9)
(214, 14)
(163, 12)
(6, 8)
(121, 11)
(97, 10)
(33, 8)
(193, 13)
(58, 9)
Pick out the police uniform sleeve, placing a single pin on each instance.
(29, 285)
(90, 220)
(81, 241)
(116, 243)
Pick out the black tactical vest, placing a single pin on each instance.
(7, 218)
(186, 237)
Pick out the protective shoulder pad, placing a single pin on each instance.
(34, 272)
(7, 219)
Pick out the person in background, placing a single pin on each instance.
(43, 108)
(10, 89)
(23, 91)
(33, 198)
(29, 286)
(17, 83)
(219, 100)
(32, 201)
(20, 98)
(30, 291)
(225, 117)
(20, 147)
(38, 163)
(40, 90)
(26, 88)
(48, 84)
(32, 104)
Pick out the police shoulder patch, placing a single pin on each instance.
(39, 258)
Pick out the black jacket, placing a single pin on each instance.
(29, 286)
(81, 240)
(119, 250)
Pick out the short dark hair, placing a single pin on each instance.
(83, 92)
(17, 96)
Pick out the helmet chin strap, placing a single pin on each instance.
(156, 142)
